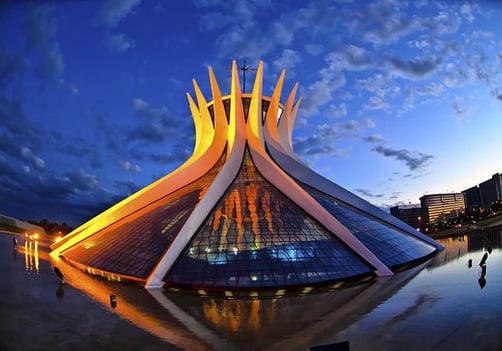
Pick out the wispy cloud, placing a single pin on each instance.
(112, 11)
(41, 30)
(320, 93)
(351, 57)
(118, 42)
(289, 59)
(416, 68)
(322, 142)
(368, 193)
(375, 138)
(128, 166)
(413, 160)
(459, 107)
(155, 123)
(435, 89)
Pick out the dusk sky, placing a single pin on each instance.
(399, 99)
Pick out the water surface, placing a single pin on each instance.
(444, 304)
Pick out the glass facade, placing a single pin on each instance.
(392, 246)
(257, 237)
(135, 244)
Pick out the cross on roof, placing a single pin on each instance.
(245, 69)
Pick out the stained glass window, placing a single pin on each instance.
(257, 237)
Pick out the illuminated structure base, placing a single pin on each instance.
(243, 211)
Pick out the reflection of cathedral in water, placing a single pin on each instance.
(31, 259)
(195, 322)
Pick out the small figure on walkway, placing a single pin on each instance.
(14, 242)
(59, 274)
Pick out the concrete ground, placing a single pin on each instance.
(37, 313)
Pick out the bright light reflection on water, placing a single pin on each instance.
(442, 305)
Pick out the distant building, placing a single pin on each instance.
(490, 190)
(472, 198)
(441, 207)
(409, 214)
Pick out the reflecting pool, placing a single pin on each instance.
(450, 302)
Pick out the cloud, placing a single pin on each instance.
(11, 66)
(375, 138)
(114, 11)
(208, 3)
(40, 27)
(351, 57)
(336, 111)
(54, 65)
(140, 105)
(434, 89)
(375, 103)
(282, 33)
(156, 123)
(289, 59)
(14, 119)
(73, 89)
(466, 12)
(459, 107)
(314, 49)
(33, 159)
(81, 181)
(422, 43)
(320, 92)
(447, 21)
(236, 16)
(110, 134)
(391, 23)
(213, 21)
(369, 123)
(179, 154)
(128, 166)
(80, 149)
(127, 187)
(368, 193)
(380, 85)
(73, 196)
(417, 68)
(322, 142)
(413, 160)
(118, 42)
(41, 31)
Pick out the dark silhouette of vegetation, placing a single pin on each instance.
(53, 228)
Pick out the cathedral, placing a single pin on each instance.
(243, 212)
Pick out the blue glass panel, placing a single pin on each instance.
(392, 246)
(257, 237)
(135, 244)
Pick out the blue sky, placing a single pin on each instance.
(399, 98)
